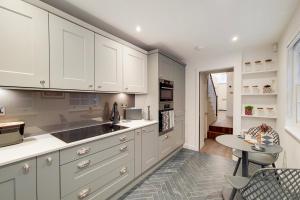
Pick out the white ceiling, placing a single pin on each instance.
(177, 26)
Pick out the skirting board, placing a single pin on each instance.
(143, 176)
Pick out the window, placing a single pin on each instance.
(220, 78)
(294, 83)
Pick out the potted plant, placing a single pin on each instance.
(248, 110)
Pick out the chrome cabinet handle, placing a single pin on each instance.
(123, 148)
(83, 150)
(126, 88)
(84, 164)
(49, 161)
(84, 193)
(42, 82)
(138, 133)
(166, 136)
(99, 86)
(26, 168)
(123, 138)
(91, 86)
(123, 171)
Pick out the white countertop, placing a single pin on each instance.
(46, 143)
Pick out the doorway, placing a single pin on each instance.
(216, 108)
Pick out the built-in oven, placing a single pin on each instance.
(166, 90)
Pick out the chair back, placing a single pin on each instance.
(273, 184)
(256, 130)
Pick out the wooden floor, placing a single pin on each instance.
(212, 147)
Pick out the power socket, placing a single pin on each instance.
(2, 110)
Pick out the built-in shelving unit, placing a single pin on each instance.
(257, 116)
(260, 72)
(259, 88)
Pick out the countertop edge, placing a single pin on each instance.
(60, 145)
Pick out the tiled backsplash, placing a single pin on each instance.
(50, 111)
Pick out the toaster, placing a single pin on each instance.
(133, 113)
(11, 133)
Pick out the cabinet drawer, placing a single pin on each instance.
(106, 185)
(91, 168)
(150, 128)
(77, 152)
(166, 144)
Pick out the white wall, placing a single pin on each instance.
(192, 94)
(291, 156)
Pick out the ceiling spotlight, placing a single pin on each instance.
(235, 38)
(138, 29)
(198, 48)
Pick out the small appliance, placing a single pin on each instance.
(11, 133)
(133, 113)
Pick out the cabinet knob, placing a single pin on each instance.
(123, 148)
(138, 133)
(126, 88)
(123, 138)
(91, 86)
(49, 161)
(99, 86)
(83, 150)
(26, 168)
(123, 171)
(42, 82)
(84, 193)
(84, 164)
(166, 136)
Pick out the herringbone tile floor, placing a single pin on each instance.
(189, 175)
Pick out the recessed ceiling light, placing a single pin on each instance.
(138, 29)
(235, 38)
(198, 48)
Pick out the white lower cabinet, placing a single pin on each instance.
(134, 71)
(149, 146)
(24, 47)
(71, 55)
(137, 152)
(48, 187)
(179, 136)
(18, 181)
(166, 144)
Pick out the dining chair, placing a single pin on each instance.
(261, 159)
(267, 184)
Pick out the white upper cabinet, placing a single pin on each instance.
(108, 65)
(71, 55)
(134, 71)
(24, 47)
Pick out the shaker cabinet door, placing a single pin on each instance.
(18, 181)
(48, 187)
(149, 146)
(71, 55)
(24, 47)
(108, 65)
(134, 71)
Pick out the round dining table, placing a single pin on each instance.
(235, 142)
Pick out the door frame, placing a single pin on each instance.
(200, 111)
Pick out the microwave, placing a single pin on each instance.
(166, 90)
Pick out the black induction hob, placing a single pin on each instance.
(87, 132)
